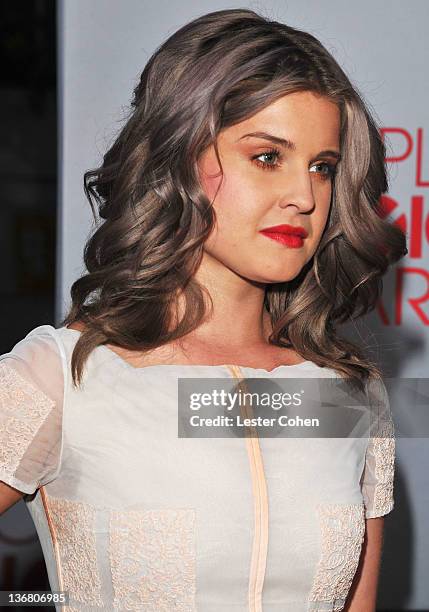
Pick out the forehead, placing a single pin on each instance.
(303, 117)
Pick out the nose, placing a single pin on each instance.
(297, 189)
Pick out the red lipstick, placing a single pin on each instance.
(289, 235)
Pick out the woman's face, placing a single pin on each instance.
(269, 183)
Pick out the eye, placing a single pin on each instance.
(329, 170)
(270, 154)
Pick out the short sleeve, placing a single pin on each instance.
(31, 410)
(379, 468)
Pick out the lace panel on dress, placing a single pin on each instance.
(342, 530)
(73, 528)
(377, 480)
(152, 556)
(384, 457)
(23, 409)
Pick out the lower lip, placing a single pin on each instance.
(289, 240)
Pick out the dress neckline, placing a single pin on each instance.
(185, 366)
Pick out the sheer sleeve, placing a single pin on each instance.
(379, 468)
(31, 410)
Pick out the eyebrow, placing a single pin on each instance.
(288, 144)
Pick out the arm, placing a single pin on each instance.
(31, 407)
(8, 497)
(363, 593)
(377, 490)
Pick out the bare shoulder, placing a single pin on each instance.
(8, 496)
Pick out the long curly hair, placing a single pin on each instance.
(213, 72)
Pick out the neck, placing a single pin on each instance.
(238, 317)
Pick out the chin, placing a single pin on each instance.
(279, 277)
(282, 278)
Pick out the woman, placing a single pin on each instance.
(241, 224)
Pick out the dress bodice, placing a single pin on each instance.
(132, 516)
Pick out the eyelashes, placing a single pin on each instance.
(328, 174)
(264, 165)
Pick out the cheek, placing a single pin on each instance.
(234, 200)
(319, 222)
(237, 221)
(323, 215)
(238, 210)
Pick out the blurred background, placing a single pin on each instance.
(28, 183)
(69, 68)
(28, 150)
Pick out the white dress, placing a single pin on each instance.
(132, 517)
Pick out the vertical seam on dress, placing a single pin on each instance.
(260, 540)
(54, 538)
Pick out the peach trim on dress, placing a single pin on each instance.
(44, 498)
(259, 486)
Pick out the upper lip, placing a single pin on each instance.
(286, 229)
